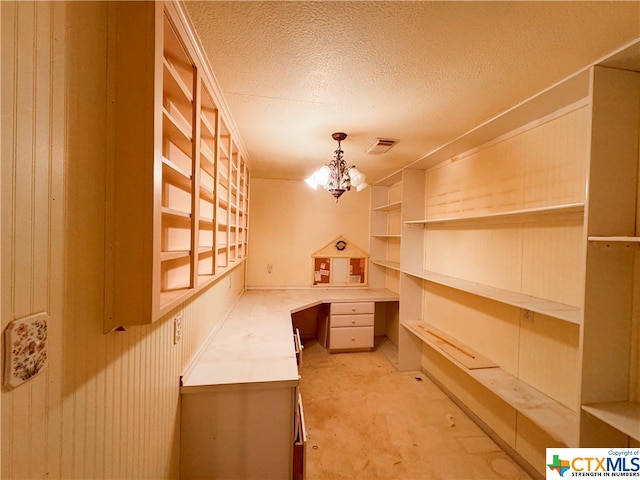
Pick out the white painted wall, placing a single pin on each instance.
(289, 221)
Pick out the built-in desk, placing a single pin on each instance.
(239, 398)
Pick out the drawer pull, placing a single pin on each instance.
(353, 339)
(353, 309)
(353, 321)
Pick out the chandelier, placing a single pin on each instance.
(335, 177)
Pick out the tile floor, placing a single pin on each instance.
(367, 420)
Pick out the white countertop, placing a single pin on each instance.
(254, 344)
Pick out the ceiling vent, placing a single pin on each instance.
(381, 145)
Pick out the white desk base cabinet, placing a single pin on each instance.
(239, 431)
(351, 326)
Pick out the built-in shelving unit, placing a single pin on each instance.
(178, 196)
(518, 270)
(386, 226)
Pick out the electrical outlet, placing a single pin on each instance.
(177, 328)
(269, 268)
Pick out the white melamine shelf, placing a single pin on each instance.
(386, 208)
(449, 346)
(387, 264)
(561, 311)
(623, 416)
(387, 236)
(616, 239)
(570, 211)
(557, 420)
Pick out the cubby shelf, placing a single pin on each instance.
(559, 213)
(169, 178)
(553, 417)
(568, 313)
(386, 226)
(173, 83)
(623, 416)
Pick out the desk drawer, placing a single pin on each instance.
(349, 308)
(351, 337)
(358, 320)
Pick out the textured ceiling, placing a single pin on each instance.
(423, 72)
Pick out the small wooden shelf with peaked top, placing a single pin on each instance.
(340, 263)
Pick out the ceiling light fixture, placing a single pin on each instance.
(335, 177)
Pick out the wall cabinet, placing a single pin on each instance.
(177, 198)
(519, 248)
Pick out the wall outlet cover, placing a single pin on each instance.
(25, 349)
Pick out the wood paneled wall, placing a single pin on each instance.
(107, 405)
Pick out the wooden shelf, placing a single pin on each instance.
(557, 310)
(207, 153)
(558, 421)
(623, 416)
(386, 208)
(173, 83)
(387, 264)
(387, 236)
(176, 133)
(207, 193)
(175, 213)
(209, 130)
(449, 346)
(626, 240)
(173, 255)
(572, 211)
(175, 174)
